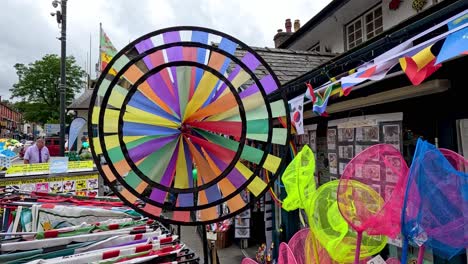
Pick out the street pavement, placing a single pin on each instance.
(230, 255)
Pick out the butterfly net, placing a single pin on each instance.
(435, 209)
(333, 232)
(306, 248)
(285, 255)
(298, 180)
(370, 195)
(248, 261)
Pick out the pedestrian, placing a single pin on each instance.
(37, 153)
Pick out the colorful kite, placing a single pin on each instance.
(181, 99)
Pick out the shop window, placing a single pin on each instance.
(364, 27)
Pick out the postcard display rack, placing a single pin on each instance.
(347, 137)
(308, 138)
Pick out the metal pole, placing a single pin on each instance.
(205, 245)
(63, 80)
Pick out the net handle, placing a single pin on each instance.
(357, 256)
(421, 252)
(404, 250)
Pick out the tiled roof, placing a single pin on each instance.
(82, 102)
(287, 65)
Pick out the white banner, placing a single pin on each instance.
(75, 127)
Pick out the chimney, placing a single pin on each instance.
(297, 25)
(288, 25)
(282, 36)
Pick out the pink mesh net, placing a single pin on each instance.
(298, 244)
(248, 261)
(392, 261)
(435, 209)
(377, 212)
(285, 255)
(458, 162)
(307, 250)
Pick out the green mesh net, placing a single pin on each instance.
(298, 180)
(333, 232)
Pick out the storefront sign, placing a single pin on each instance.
(51, 129)
(358, 123)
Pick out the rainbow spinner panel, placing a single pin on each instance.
(180, 99)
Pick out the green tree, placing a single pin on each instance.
(38, 87)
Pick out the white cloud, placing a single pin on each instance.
(31, 32)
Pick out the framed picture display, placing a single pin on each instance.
(242, 233)
(242, 222)
(348, 137)
(331, 139)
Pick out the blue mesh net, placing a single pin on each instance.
(435, 211)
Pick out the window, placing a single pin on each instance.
(315, 47)
(374, 25)
(354, 34)
(365, 27)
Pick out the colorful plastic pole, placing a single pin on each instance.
(422, 249)
(404, 250)
(357, 256)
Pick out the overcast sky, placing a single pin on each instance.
(28, 32)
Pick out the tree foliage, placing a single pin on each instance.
(38, 87)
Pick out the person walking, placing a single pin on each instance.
(37, 153)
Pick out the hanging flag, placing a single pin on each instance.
(107, 51)
(310, 94)
(321, 103)
(422, 64)
(378, 68)
(296, 107)
(374, 73)
(456, 43)
(337, 89)
(283, 123)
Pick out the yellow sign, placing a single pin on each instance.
(80, 165)
(25, 169)
(22, 169)
(49, 179)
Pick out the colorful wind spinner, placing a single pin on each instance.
(177, 99)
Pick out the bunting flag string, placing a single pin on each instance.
(418, 62)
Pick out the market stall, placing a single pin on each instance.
(44, 228)
(76, 178)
